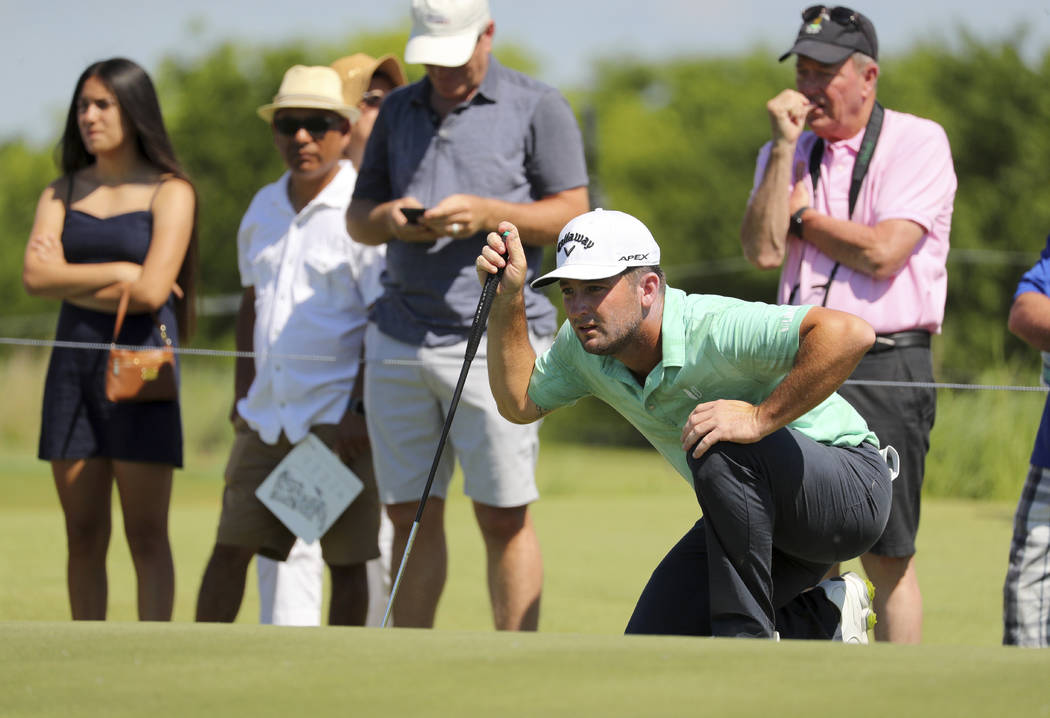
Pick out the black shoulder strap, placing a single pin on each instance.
(863, 161)
(860, 169)
(816, 155)
(69, 192)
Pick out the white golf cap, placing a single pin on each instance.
(599, 244)
(444, 32)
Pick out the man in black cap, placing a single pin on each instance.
(857, 213)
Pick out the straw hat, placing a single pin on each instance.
(317, 88)
(356, 73)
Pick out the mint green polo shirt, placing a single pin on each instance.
(713, 348)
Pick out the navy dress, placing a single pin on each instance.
(78, 422)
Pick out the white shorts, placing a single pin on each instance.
(408, 391)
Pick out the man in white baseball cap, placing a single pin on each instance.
(580, 257)
(740, 398)
(444, 32)
(450, 156)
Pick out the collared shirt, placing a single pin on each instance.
(515, 140)
(313, 285)
(713, 348)
(910, 177)
(1037, 279)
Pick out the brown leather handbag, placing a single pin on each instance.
(146, 374)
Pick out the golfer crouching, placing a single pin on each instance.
(740, 398)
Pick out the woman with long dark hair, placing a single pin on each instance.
(121, 216)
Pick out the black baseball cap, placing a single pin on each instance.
(831, 34)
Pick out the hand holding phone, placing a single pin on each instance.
(412, 214)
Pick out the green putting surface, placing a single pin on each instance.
(157, 670)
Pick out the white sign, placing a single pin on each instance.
(309, 489)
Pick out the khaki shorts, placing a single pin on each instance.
(408, 391)
(245, 520)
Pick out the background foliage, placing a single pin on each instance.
(672, 142)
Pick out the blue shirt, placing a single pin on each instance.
(515, 140)
(1037, 279)
(713, 348)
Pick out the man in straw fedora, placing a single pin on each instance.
(307, 289)
(291, 591)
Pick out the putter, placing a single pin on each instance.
(477, 328)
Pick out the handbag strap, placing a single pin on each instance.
(122, 310)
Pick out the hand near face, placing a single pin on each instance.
(720, 420)
(787, 115)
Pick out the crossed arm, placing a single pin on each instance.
(98, 286)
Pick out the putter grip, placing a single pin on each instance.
(481, 315)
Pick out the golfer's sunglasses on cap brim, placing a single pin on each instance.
(839, 15)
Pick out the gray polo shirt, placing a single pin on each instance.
(516, 140)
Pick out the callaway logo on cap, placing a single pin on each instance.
(599, 244)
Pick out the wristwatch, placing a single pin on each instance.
(795, 224)
(357, 406)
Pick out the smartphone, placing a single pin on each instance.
(412, 214)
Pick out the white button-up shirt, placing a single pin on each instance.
(313, 286)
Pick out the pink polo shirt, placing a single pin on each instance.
(911, 176)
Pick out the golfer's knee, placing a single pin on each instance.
(713, 468)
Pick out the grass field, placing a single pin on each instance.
(119, 670)
(605, 519)
(600, 539)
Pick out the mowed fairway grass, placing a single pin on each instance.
(605, 519)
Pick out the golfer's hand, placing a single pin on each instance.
(787, 115)
(400, 227)
(721, 420)
(457, 216)
(504, 252)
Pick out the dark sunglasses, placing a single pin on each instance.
(373, 98)
(316, 125)
(839, 15)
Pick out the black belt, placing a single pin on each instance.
(900, 340)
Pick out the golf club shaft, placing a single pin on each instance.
(477, 329)
(400, 572)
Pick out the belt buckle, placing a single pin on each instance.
(883, 344)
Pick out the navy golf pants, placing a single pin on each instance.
(776, 515)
